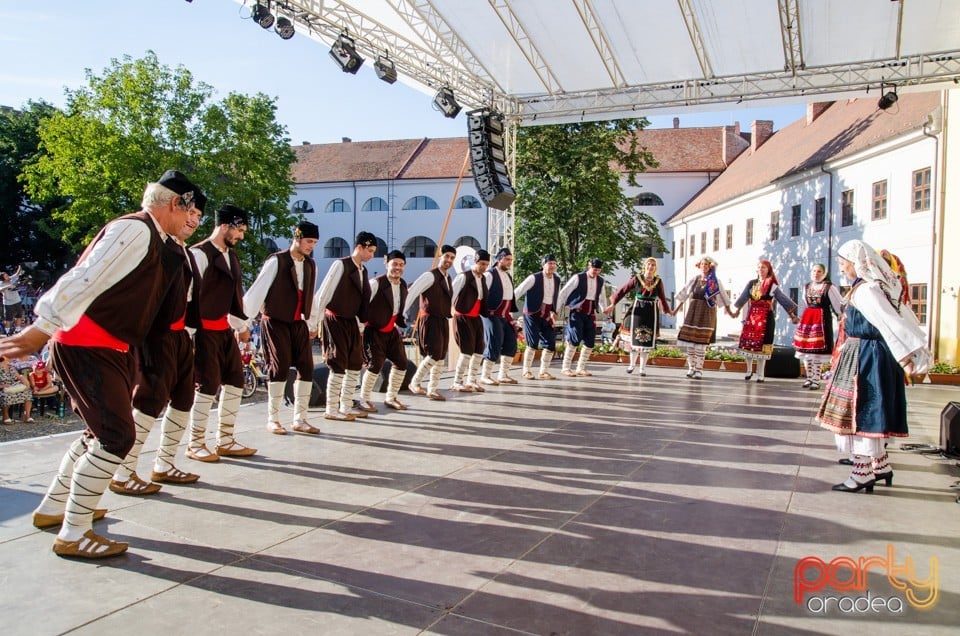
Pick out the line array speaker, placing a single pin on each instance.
(488, 158)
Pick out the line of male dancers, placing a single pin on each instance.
(174, 350)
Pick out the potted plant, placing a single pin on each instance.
(605, 353)
(713, 358)
(668, 357)
(944, 373)
(733, 362)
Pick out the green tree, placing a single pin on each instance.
(139, 118)
(25, 230)
(569, 201)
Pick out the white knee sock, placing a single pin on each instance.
(55, 500)
(366, 385)
(171, 432)
(633, 357)
(643, 355)
(144, 424)
(350, 379)
(528, 355)
(396, 381)
(334, 386)
(91, 474)
(761, 368)
(199, 415)
(230, 397)
(274, 398)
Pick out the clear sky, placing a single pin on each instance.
(46, 47)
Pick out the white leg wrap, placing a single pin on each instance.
(230, 397)
(505, 363)
(301, 399)
(56, 498)
(396, 380)
(91, 474)
(199, 415)
(488, 368)
(366, 385)
(568, 352)
(350, 379)
(545, 357)
(171, 432)
(423, 371)
(584, 356)
(435, 372)
(473, 374)
(460, 372)
(528, 355)
(144, 424)
(334, 386)
(274, 399)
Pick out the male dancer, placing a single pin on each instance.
(539, 315)
(499, 329)
(92, 324)
(217, 359)
(283, 292)
(165, 374)
(583, 294)
(469, 303)
(343, 299)
(435, 291)
(381, 337)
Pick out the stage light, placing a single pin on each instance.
(887, 99)
(284, 28)
(344, 53)
(386, 69)
(445, 101)
(262, 16)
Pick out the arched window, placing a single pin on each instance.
(338, 205)
(302, 207)
(467, 240)
(419, 247)
(420, 203)
(648, 198)
(336, 248)
(374, 204)
(381, 248)
(468, 201)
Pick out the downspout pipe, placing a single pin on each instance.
(829, 261)
(933, 296)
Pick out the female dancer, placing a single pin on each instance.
(865, 401)
(640, 328)
(813, 338)
(700, 322)
(756, 339)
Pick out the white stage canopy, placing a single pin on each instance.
(554, 61)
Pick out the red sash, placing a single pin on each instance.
(217, 324)
(299, 310)
(87, 333)
(390, 325)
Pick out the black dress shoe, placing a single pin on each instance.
(748, 376)
(887, 478)
(807, 384)
(846, 461)
(868, 486)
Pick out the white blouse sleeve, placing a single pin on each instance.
(900, 330)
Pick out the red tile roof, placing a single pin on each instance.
(690, 149)
(843, 129)
(376, 160)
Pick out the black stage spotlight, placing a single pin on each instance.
(445, 101)
(262, 16)
(889, 98)
(284, 28)
(386, 69)
(344, 53)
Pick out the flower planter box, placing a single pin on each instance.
(944, 378)
(669, 362)
(712, 365)
(732, 365)
(604, 357)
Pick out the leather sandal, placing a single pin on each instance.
(546, 376)
(396, 404)
(583, 374)
(42, 521)
(304, 427)
(436, 396)
(174, 476)
(573, 374)
(202, 454)
(235, 449)
(417, 390)
(357, 414)
(506, 380)
(478, 388)
(339, 416)
(364, 405)
(134, 486)
(91, 546)
(276, 428)
(528, 375)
